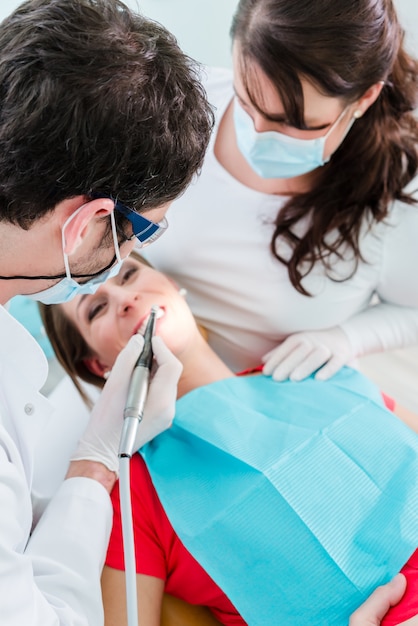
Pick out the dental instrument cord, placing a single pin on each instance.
(128, 540)
(135, 403)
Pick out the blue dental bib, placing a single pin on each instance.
(298, 498)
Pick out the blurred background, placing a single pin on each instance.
(202, 26)
(202, 29)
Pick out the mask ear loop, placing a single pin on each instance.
(338, 120)
(115, 237)
(66, 262)
(356, 115)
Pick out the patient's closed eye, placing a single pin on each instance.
(129, 272)
(95, 309)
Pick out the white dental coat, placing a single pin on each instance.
(50, 576)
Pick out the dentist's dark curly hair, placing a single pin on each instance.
(95, 99)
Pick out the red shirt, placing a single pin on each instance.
(408, 606)
(160, 553)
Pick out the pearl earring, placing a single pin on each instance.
(106, 374)
(183, 292)
(357, 114)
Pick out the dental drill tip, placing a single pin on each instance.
(157, 311)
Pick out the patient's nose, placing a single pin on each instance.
(123, 298)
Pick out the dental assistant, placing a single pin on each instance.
(297, 242)
(74, 142)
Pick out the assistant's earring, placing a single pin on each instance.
(183, 292)
(106, 374)
(357, 113)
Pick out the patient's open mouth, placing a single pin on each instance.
(141, 327)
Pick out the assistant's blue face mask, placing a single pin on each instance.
(67, 288)
(274, 155)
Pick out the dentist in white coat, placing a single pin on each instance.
(73, 138)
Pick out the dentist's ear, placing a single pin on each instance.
(84, 220)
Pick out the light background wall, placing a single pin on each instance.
(202, 26)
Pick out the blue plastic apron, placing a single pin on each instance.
(297, 498)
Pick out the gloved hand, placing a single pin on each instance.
(100, 441)
(161, 402)
(302, 354)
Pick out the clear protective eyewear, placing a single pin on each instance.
(144, 229)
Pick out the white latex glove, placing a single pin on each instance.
(100, 441)
(302, 354)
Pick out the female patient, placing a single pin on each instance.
(210, 474)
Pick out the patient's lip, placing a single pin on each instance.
(140, 326)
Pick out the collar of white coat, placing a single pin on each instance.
(19, 350)
(24, 411)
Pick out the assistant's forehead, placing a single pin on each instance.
(317, 107)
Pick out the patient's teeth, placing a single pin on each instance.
(159, 313)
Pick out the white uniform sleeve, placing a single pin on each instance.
(55, 579)
(393, 323)
(382, 327)
(398, 283)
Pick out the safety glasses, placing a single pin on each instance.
(143, 229)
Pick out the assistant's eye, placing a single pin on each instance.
(286, 122)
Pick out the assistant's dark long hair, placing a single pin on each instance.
(343, 48)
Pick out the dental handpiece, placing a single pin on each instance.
(138, 391)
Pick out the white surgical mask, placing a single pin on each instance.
(274, 155)
(67, 287)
